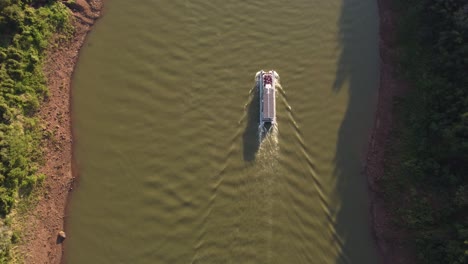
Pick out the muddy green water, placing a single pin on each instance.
(165, 122)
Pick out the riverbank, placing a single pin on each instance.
(424, 183)
(390, 88)
(40, 243)
(386, 236)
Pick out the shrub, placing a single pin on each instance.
(431, 198)
(26, 27)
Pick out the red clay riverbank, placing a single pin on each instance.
(388, 238)
(40, 244)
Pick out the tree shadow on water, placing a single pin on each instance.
(357, 70)
(250, 140)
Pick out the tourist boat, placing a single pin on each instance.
(266, 81)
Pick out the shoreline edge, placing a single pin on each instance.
(40, 242)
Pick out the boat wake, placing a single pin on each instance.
(268, 143)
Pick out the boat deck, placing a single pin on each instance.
(268, 98)
(269, 104)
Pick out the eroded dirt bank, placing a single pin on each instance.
(386, 235)
(41, 244)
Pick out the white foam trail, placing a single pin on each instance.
(269, 146)
(267, 163)
(253, 89)
(280, 89)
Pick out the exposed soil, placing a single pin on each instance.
(41, 243)
(389, 239)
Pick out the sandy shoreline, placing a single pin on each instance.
(386, 236)
(43, 223)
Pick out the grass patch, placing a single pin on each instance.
(27, 27)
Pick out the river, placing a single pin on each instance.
(165, 121)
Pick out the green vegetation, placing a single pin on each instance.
(426, 180)
(26, 27)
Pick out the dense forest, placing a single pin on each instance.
(26, 28)
(426, 179)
